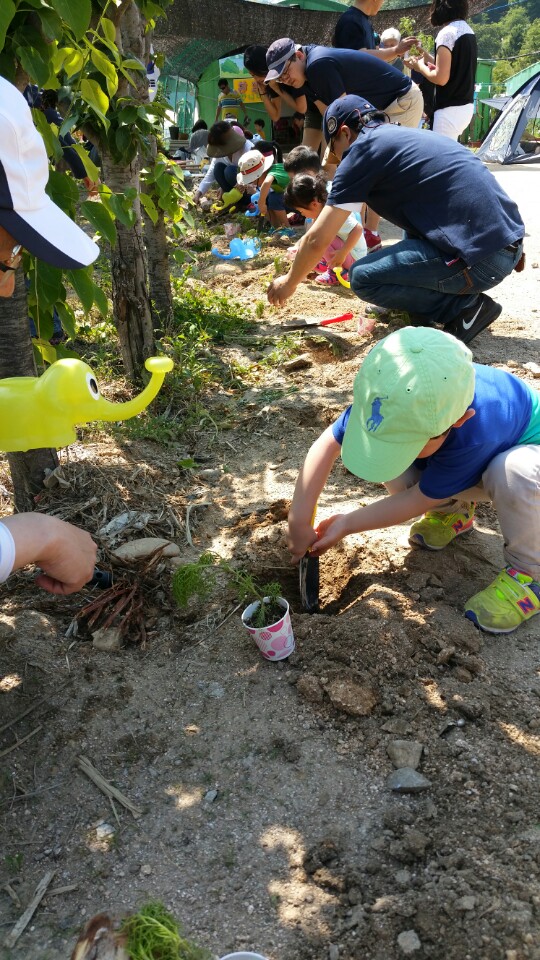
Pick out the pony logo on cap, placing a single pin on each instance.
(331, 125)
(374, 421)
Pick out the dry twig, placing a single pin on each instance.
(26, 917)
(106, 787)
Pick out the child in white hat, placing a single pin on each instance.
(271, 178)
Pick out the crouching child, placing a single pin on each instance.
(440, 432)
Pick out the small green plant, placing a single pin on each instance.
(259, 309)
(196, 580)
(280, 265)
(154, 934)
(14, 862)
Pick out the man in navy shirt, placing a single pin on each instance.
(463, 233)
(331, 73)
(354, 31)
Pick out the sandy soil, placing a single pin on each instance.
(267, 818)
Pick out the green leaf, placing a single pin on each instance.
(46, 288)
(76, 14)
(83, 286)
(123, 138)
(100, 218)
(91, 170)
(149, 206)
(131, 64)
(44, 349)
(109, 29)
(122, 210)
(67, 318)
(7, 12)
(52, 143)
(51, 25)
(62, 190)
(101, 302)
(95, 96)
(34, 65)
(73, 60)
(105, 67)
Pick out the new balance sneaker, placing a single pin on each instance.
(509, 601)
(373, 240)
(436, 530)
(474, 319)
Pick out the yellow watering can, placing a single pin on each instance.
(42, 411)
(339, 274)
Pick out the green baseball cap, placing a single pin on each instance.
(413, 385)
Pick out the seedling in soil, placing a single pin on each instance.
(154, 934)
(196, 580)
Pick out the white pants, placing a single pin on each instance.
(512, 482)
(451, 121)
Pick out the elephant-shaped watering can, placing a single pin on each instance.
(42, 411)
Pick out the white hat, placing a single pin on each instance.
(26, 212)
(252, 165)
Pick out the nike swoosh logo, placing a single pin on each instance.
(467, 326)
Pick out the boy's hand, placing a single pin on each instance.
(330, 532)
(280, 290)
(299, 541)
(262, 208)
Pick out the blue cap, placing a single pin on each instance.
(344, 110)
(277, 56)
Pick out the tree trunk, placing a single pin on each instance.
(159, 273)
(17, 360)
(131, 303)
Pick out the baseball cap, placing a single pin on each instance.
(344, 110)
(413, 385)
(277, 55)
(252, 166)
(26, 212)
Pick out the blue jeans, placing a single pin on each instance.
(225, 174)
(412, 275)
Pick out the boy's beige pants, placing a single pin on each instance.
(512, 482)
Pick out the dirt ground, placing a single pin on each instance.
(267, 820)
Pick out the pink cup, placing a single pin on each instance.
(276, 642)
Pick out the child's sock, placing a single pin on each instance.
(525, 579)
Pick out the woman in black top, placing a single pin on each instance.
(452, 69)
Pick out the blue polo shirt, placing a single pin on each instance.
(354, 31)
(330, 73)
(507, 413)
(431, 187)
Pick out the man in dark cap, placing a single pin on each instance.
(438, 193)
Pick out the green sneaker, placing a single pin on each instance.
(512, 598)
(436, 530)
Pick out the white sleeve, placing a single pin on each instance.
(7, 552)
(208, 180)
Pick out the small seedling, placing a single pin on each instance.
(14, 862)
(196, 580)
(154, 934)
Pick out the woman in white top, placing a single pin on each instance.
(452, 69)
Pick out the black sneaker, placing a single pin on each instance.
(474, 319)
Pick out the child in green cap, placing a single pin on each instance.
(440, 432)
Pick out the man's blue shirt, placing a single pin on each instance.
(429, 186)
(503, 405)
(330, 73)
